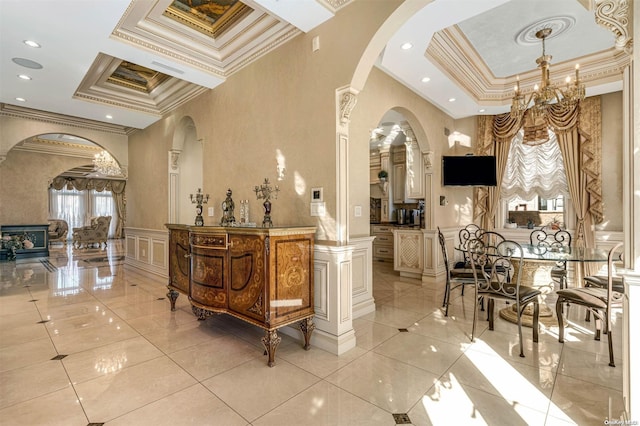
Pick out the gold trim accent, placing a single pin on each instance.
(226, 21)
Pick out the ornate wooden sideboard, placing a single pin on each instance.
(263, 276)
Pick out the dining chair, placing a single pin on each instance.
(455, 277)
(597, 300)
(555, 241)
(469, 232)
(494, 269)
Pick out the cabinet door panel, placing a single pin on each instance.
(291, 282)
(207, 277)
(179, 260)
(247, 278)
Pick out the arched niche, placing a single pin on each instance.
(185, 171)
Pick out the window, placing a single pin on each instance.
(534, 188)
(77, 207)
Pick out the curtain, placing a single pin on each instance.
(117, 188)
(69, 205)
(534, 170)
(579, 137)
(494, 138)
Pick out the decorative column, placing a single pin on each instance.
(174, 173)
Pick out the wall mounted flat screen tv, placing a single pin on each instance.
(469, 170)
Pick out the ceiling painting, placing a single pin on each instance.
(136, 77)
(210, 17)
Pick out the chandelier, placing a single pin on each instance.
(546, 94)
(106, 165)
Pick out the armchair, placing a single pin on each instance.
(58, 230)
(96, 233)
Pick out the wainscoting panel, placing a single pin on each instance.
(147, 249)
(321, 287)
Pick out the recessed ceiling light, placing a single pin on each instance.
(426, 79)
(31, 43)
(406, 46)
(109, 116)
(481, 110)
(21, 100)
(452, 99)
(24, 77)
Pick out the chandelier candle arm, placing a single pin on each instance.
(546, 93)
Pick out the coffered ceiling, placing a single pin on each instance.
(136, 60)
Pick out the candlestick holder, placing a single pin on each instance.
(265, 192)
(199, 199)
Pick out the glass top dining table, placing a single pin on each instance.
(566, 254)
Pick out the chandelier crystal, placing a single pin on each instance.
(547, 94)
(106, 165)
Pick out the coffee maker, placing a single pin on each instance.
(401, 216)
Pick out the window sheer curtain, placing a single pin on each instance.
(77, 199)
(534, 170)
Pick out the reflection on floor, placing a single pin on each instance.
(88, 340)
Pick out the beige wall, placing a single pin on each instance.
(24, 183)
(25, 176)
(281, 105)
(380, 94)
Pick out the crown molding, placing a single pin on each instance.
(453, 54)
(69, 149)
(7, 110)
(145, 26)
(168, 95)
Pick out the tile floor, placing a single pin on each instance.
(85, 340)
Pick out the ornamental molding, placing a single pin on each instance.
(13, 111)
(348, 98)
(614, 15)
(454, 55)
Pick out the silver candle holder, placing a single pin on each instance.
(265, 192)
(199, 199)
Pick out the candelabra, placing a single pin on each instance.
(199, 199)
(264, 192)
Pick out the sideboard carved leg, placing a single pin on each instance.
(271, 341)
(307, 326)
(201, 314)
(173, 296)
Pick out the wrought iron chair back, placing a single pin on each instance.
(553, 241)
(493, 262)
(456, 277)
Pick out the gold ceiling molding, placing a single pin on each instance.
(13, 111)
(49, 146)
(200, 19)
(168, 92)
(252, 34)
(615, 15)
(453, 54)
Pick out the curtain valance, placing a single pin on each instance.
(82, 184)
